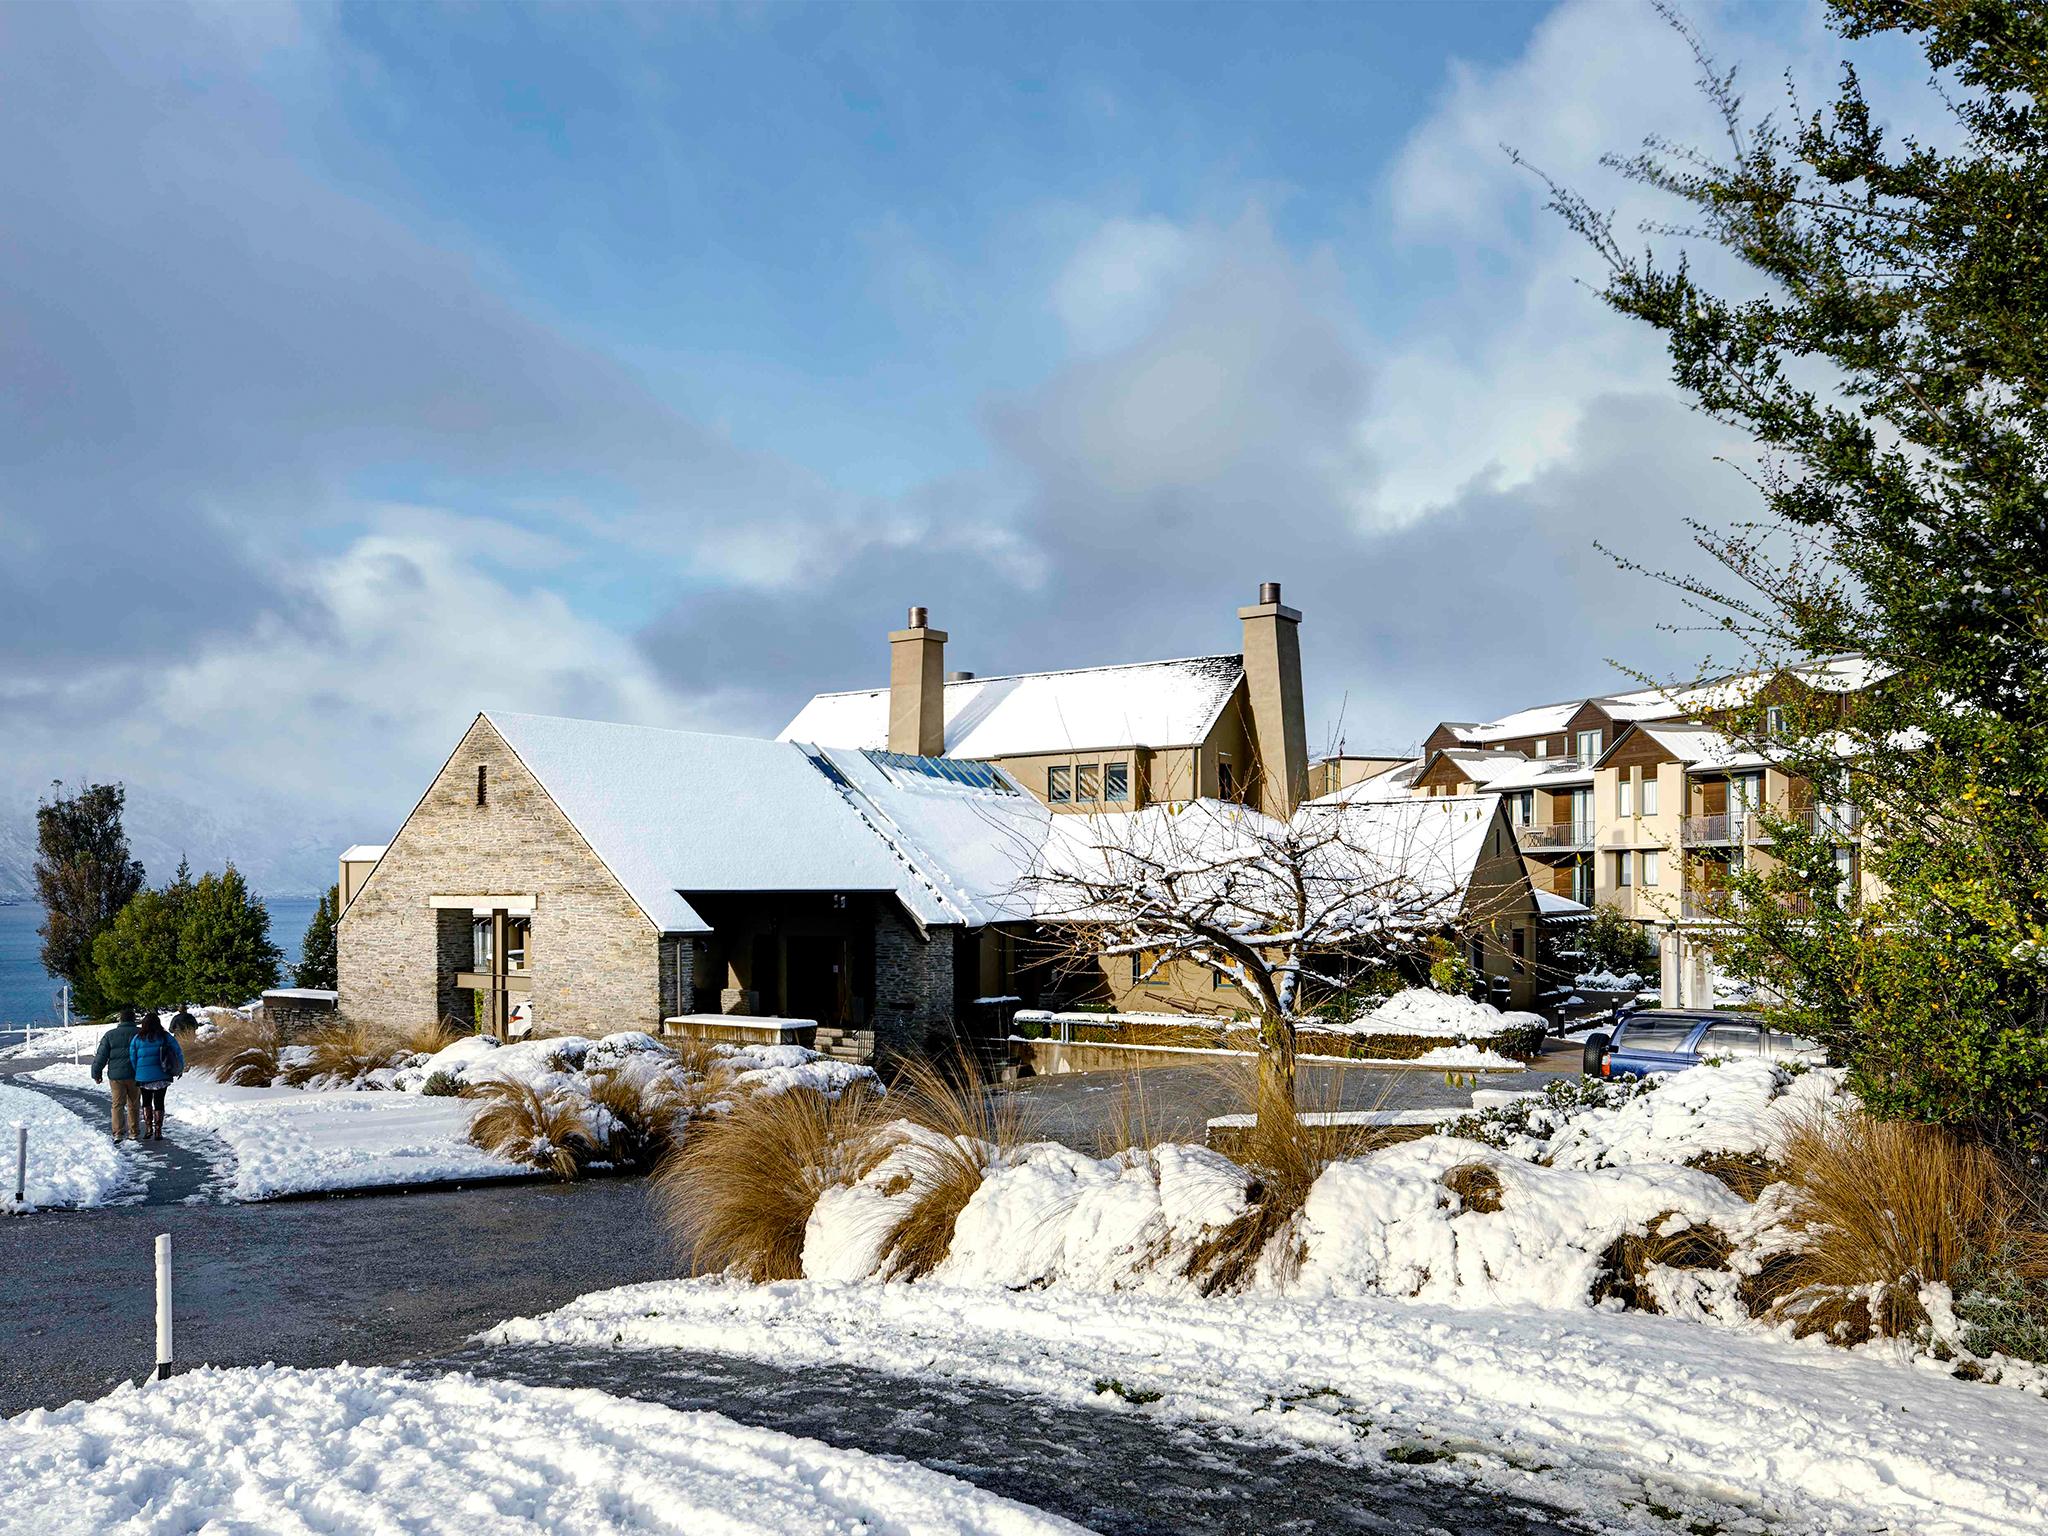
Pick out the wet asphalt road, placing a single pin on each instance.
(409, 1279)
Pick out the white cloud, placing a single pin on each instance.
(1113, 286)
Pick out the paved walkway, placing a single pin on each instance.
(188, 1166)
(1117, 1470)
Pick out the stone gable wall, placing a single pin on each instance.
(595, 961)
(913, 986)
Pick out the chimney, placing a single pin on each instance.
(917, 688)
(1272, 675)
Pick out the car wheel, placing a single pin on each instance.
(1596, 1052)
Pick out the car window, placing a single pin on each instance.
(1655, 1034)
(1737, 1040)
(1782, 1045)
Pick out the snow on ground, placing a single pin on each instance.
(288, 1141)
(69, 1162)
(358, 1449)
(1621, 1417)
(56, 1040)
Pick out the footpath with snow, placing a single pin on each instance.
(358, 1449)
(1627, 1419)
(70, 1163)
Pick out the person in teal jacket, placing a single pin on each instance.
(114, 1059)
(156, 1060)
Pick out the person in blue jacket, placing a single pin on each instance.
(155, 1056)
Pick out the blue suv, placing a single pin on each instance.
(1672, 1039)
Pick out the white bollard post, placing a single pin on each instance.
(163, 1305)
(20, 1164)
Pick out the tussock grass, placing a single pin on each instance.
(1477, 1186)
(344, 1052)
(522, 1123)
(1886, 1207)
(1626, 1264)
(738, 1191)
(1285, 1155)
(242, 1052)
(647, 1111)
(969, 1130)
(430, 1035)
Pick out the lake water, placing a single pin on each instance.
(28, 995)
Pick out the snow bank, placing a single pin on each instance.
(288, 1141)
(69, 1162)
(56, 1040)
(1421, 1011)
(351, 1448)
(1610, 1417)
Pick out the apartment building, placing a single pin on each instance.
(1640, 802)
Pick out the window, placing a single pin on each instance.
(1649, 869)
(1224, 785)
(1543, 746)
(1518, 943)
(1116, 781)
(1088, 782)
(1774, 721)
(1588, 746)
(480, 945)
(1524, 807)
(1622, 870)
(1650, 1032)
(1740, 1041)
(1137, 967)
(1215, 981)
(1650, 795)
(1845, 870)
(518, 939)
(1059, 785)
(482, 783)
(1624, 797)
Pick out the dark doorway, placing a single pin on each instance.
(820, 982)
(765, 974)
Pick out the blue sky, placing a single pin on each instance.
(371, 365)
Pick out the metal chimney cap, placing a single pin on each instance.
(919, 618)
(1269, 591)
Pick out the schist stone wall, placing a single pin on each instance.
(595, 959)
(913, 986)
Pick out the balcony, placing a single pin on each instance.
(1706, 906)
(1844, 823)
(1712, 829)
(1568, 835)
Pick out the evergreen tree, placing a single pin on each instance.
(1892, 362)
(316, 967)
(224, 944)
(137, 959)
(84, 877)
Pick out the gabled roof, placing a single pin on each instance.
(1697, 746)
(1149, 704)
(1538, 720)
(675, 813)
(1397, 783)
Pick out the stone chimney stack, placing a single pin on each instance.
(917, 688)
(1272, 675)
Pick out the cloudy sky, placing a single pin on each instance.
(367, 366)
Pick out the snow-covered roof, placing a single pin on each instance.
(1539, 720)
(1149, 704)
(1697, 746)
(1397, 783)
(675, 812)
(363, 853)
(1434, 840)
(963, 847)
(1543, 773)
(1550, 904)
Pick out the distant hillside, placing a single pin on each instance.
(282, 850)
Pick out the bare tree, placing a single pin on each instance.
(1287, 912)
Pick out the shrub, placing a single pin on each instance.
(520, 1122)
(969, 1131)
(738, 1192)
(440, 1085)
(2001, 1299)
(1885, 1208)
(1539, 1116)
(1625, 1266)
(1611, 942)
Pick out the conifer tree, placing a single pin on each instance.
(316, 967)
(84, 877)
(225, 941)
